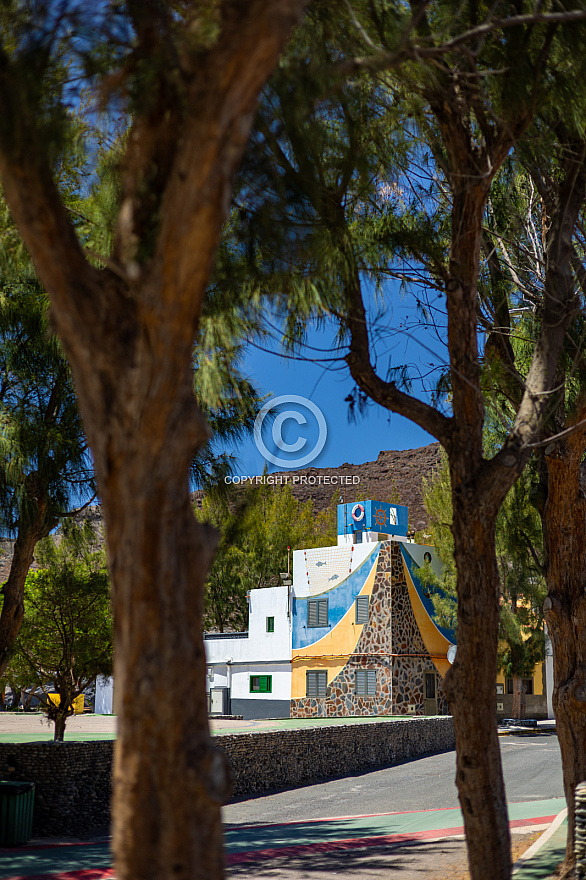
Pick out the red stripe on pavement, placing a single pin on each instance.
(330, 846)
(60, 845)
(537, 820)
(295, 850)
(85, 874)
(361, 842)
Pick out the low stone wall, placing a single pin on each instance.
(291, 758)
(72, 783)
(72, 779)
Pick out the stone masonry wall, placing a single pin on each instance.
(391, 631)
(72, 783)
(291, 758)
(72, 796)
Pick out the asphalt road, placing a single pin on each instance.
(531, 764)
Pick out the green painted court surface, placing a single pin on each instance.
(48, 737)
(222, 726)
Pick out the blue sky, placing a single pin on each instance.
(328, 384)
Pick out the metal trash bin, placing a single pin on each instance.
(16, 812)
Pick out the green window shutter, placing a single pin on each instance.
(362, 609)
(270, 624)
(261, 684)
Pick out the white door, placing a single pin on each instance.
(217, 704)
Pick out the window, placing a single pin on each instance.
(316, 683)
(317, 612)
(528, 682)
(430, 685)
(261, 684)
(362, 609)
(270, 624)
(365, 682)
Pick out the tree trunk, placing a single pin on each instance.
(128, 331)
(60, 720)
(470, 689)
(564, 526)
(164, 757)
(518, 698)
(30, 531)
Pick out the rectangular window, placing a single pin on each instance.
(430, 685)
(261, 684)
(270, 624)
(362, 609)
(528, 682)
(316, 683)
(365, 682)
(317, 612)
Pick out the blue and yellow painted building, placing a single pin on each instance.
(354, 633)
(364, 638)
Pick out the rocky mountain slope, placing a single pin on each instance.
(395, 476)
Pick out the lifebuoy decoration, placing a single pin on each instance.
(358, 513)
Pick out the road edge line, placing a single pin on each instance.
(541, 841)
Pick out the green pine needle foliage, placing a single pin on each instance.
(519, 556)
(66, 639)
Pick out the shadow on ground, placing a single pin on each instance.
(416, 860)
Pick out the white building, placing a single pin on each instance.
(249, 673)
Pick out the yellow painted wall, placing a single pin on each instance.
(78, 703)
(334, 649)
(434, 641)
(537, 680)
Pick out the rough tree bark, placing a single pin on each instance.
(564, 528)
(60, 720)
(478, 486)
(128, 331)
(30, 530)
(561, 500)
(518, 711)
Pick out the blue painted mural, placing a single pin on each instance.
(340, 598)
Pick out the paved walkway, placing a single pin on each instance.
(260, 845)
